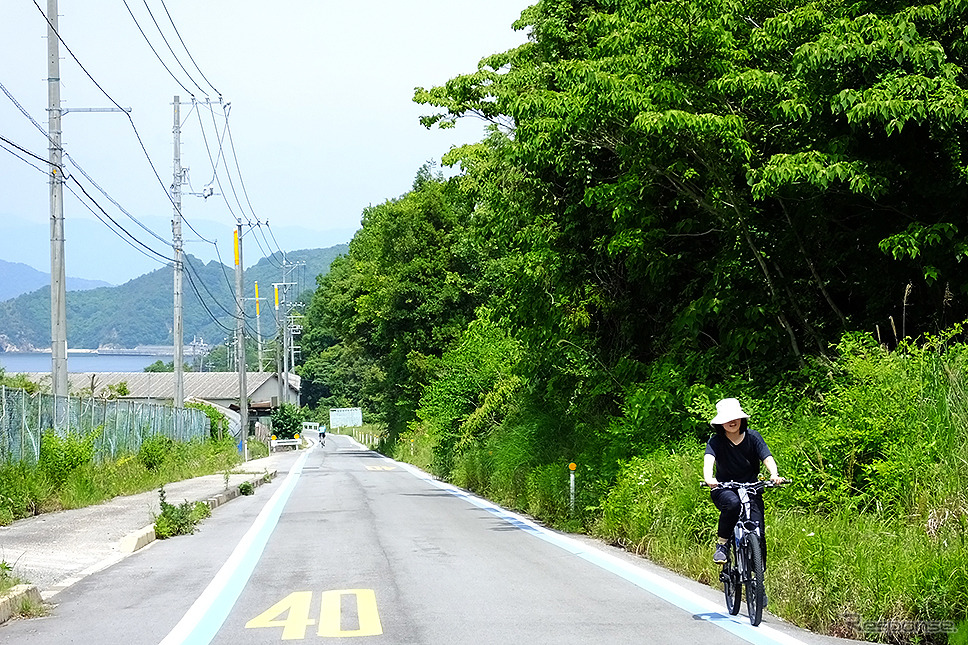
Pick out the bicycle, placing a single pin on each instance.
(744, 562)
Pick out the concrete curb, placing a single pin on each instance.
(146, 535)
(13, 600)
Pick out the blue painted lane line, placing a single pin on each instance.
(205, 617)
(660, 587)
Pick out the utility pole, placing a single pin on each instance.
(240, 337)
(280, 346)
(58, 285)
(258, 326)
(176, 234)
(282, 326)
(294, 330)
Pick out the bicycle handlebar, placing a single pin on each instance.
(762, 483)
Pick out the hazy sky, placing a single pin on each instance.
(321, 116)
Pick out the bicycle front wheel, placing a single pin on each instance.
(755, 589)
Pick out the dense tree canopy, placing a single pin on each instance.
(398, 298)
(724, 187)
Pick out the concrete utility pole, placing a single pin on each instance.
(240, 336)
(176, 236)
(258, 326)
(282, 327)
(58, 283)
(280, 347)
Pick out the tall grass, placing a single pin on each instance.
(874, 528)
(27, 490)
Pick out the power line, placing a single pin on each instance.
(115, 103)
(192, 58)
(114, 201)
(201, 300)
(174, 55)
(214, 162)
(154, 51)
(26, 113)
(274, 240)
(192, 268)
(238, 170)
(41, 129)
(114, 222)
(26, 152)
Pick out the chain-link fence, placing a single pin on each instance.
(125, 424)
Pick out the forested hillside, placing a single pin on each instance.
(679, 202)
(140, 311)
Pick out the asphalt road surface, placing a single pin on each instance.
(351, 547)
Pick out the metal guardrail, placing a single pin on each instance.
(125, 424)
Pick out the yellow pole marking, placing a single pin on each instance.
(330, 614)
(296, 607)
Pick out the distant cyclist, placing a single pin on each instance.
(735, 452)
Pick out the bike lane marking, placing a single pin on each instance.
(204, 618)
(656, 585)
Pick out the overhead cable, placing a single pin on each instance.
(164, 38)
(154, 51)
(130, 119)
(26, 152)
(192, 58)
(114, 222)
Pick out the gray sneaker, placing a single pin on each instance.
(721, 556)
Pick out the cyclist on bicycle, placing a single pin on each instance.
(735, 451)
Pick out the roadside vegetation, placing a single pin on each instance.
(679, 202)
(68, 475)
(180, 519)
(7, 578)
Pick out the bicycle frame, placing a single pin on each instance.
(744, 527)
(748, 570)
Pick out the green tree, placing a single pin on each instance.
(401, 295)
(681, 182)
(286, 421)
(161, 366)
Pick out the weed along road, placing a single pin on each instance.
(348, 546)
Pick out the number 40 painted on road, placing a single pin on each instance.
(297, 606)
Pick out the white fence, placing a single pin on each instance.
(25, 417)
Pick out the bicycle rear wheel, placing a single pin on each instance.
(755, 589)
(732, 589)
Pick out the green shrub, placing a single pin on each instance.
(61, 455)
(245, 488)
(7, 579)
(154, 450)
(179, 520)
(286, 421)
(257, 449)
(218, 422)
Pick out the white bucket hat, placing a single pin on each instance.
(727, 410)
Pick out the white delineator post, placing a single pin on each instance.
(571, 470)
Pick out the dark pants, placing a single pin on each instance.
(727, 501)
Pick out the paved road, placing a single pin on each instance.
(348, 546)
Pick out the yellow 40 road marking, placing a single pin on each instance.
(297, 605)
(381, 467)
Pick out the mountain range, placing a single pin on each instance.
(140, 311)
(17, 278)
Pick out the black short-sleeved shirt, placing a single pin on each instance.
(738, 463)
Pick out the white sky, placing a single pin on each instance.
(322, 116)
